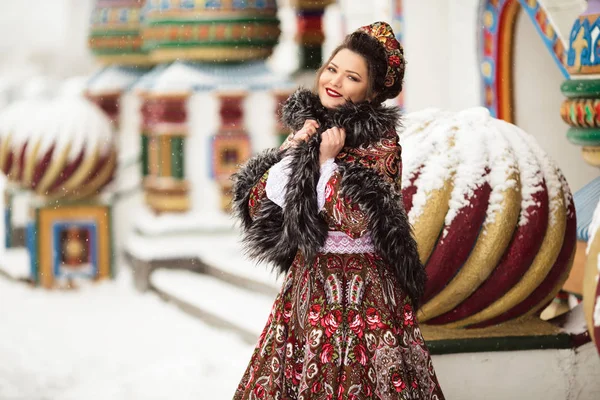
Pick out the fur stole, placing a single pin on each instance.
(275, 235)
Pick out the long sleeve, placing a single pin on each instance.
(328, 168)
(278, 178)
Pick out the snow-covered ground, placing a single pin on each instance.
(107, 341)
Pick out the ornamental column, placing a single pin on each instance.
(581, 109)
(310, 35)
(231, 144)
(164, 129)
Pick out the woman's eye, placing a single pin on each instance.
(352, 78)
(331, 69)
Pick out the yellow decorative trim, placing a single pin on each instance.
(591, 155)
(165, 184)
(48, 215)
(5, 148)
(484, 257)
(30, 161)
(167, 202)
(53, 171)
(210, 54)
(93, 186)
(430, 223)
(80, 175)
(153, 156)
(555, 290)
(535, 275)
(125, 59)
(165, 155)
(506, 42)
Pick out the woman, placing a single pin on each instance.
(326, 209)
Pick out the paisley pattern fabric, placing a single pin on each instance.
(341, 327)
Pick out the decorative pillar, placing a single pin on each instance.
(231, 144)
(164, 129)
(581, 110)
(310, 35)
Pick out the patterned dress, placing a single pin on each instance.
(341, 327)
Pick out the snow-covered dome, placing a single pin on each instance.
(492, 214)
(68, 150)
(591, 282)
(16, 121)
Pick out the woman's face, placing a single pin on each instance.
(343, 79)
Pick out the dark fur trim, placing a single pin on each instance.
(388, 223)
(303, 223)
(244, 180)
(276, 235)
(261, 235)
(364, 122)
(264, 242)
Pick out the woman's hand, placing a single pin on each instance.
(332, 141)
(306, 132)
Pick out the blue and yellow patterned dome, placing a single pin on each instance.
(583, 57)
(210, 30)
(115, 32)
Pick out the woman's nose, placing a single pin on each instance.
(336, 80)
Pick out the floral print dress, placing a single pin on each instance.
(341, 327)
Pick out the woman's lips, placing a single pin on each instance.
(332, 93)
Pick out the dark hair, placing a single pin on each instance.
(376, 58)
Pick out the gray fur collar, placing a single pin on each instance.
(364, 122)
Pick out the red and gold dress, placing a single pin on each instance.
(341, 327)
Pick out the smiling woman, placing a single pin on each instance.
(337, 85)
(326, 209)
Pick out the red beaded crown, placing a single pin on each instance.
(383, 32)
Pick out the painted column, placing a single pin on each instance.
(581, 110)
(310, 36)
(164, 129)
(231, 144)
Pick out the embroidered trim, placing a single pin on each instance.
(279, 175)
(340, 243)
(327, 170)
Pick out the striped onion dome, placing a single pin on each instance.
(67, 152)
(210, 30)
(115, 32)
(591, 283)
(16, 123)
(492, 214)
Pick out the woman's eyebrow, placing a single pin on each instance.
(352, 72)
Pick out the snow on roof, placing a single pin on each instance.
(113, 79)
(187, 76)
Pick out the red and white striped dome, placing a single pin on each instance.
(16, 122)
(63, 149)
(492, 214)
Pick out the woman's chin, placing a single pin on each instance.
(329, 102)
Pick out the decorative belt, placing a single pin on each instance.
(340, 243)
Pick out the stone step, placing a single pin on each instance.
(216, 302)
